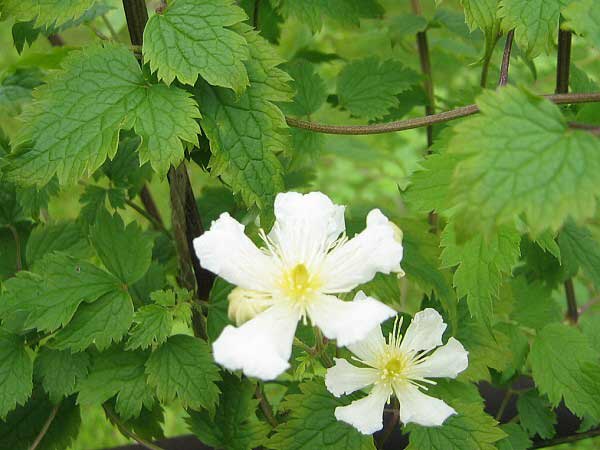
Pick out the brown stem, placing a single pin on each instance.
(506, 58)
(127, 432)
(45, 428)
(389, 427)
(563, 61)
(565, 439)
(136, 15)
(150, 205)
(19, 257)
(572, 311)
(593, 129)
(265, 406)
(409, 124)
(156, 225)
(56, 40)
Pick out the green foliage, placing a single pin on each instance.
(46, 12)
(61, 371)
(536, 415)
(312, 424)
(584, 19)
(16, 371)
(579, 249)
(192, 37)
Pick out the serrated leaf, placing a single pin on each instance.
(582, 17)
(183, 367)
(73, 132)
(101, 323)
(579, 249)
(471, 429)
(153, 324)
(192, 37)
(50, 298)
(482, 14)
(481, 266)
(121, 373)
(565, 367)
(312, 423)
(124, 169)
(61, 236)
(521, 158)
(246, 132)
(517, 438)
(535, 23)
(94, 201)
(312, 12)
(16, 371)
(46, 12)
(536, 415)
(125, 251)
(16, 89)
(309, 87)
(368, 87)
(534, 306)
(217, 314)
(234, 425)
(61, 371)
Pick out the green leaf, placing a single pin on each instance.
(153, 324)
(310, 89)
(16, 89)
(217, 314)
(46, 12)
(11, 211)
(246, 131)
(192, 37)
(471, 429)
(312, 12)
(368, 87)
(536, 415)
(124, 169)
(584, 18)
(183, 367)
(61, 236)
(101, 323)
(121, 373)
(534, 306)
(521, 158)
(482, 14)
(125, 250)
(517, 438)
(481, 266)
(312, 423)
(61, 371)
(23, 426)
(94, 202)
(234, 426)
(535, 23)
(16, 371)
(579, 249)
(565, 367)
(73, 133)
(51, 297)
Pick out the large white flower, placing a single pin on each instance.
(304, 263)
(401, 367)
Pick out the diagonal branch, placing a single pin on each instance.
(45, 428)
(506, 58)
(410, 124)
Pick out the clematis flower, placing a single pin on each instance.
(402, 367)
(305, 262)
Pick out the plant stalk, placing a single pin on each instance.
(45, 428)
(510, 36)
(127, 432)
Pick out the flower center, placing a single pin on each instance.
(393, 366)
(299, 285)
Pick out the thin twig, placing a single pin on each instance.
(127, 432)
(157, 225)
(572, 311)
(111, 29)
(19, 258)
(565, 439)
(410, 124)
(265, 406)
(593, 129)
(504, 404)
(150, 204)
(510, 36)
(45, 428)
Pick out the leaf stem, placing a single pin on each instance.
(45, 428)
(504, 404)
(410, 124)
(510, 36)
(126, 431)
(265, 406)
(111, 29)
(389, 427)
(150, 204)
(19, 258)
(565, 439)
(572, 311)
(144, 213)
(563, 61)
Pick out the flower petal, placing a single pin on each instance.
(424, 332)
(366, 414)
(244, 304)
(228, 252)
(447, 361)
(357, 261)
(369, 349)
(421, 409)
(262, 346)
(348, 322)
(305, 227)
(344, 378)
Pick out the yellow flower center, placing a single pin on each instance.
(299, 285)
(393, 365)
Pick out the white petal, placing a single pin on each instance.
(305, 226)
(424, 332)
(357, 261)
(261, 347)
(344, 378)
(421, 409)
(348, 322)
(447, 361)
(369, 349)
(228, 252)
(366, 414)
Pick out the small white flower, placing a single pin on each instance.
(401, 367)
(304, 264)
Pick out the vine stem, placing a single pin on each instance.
(19, 257)
(565, 439)
(150, 204)
(410, 124)
(265, 406)
(506, 58)
(155, 223)
(389, 427)
(572, 311)
(45, 428)
(127, 432)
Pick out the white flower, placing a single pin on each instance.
(401, 367)
(304, 264)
